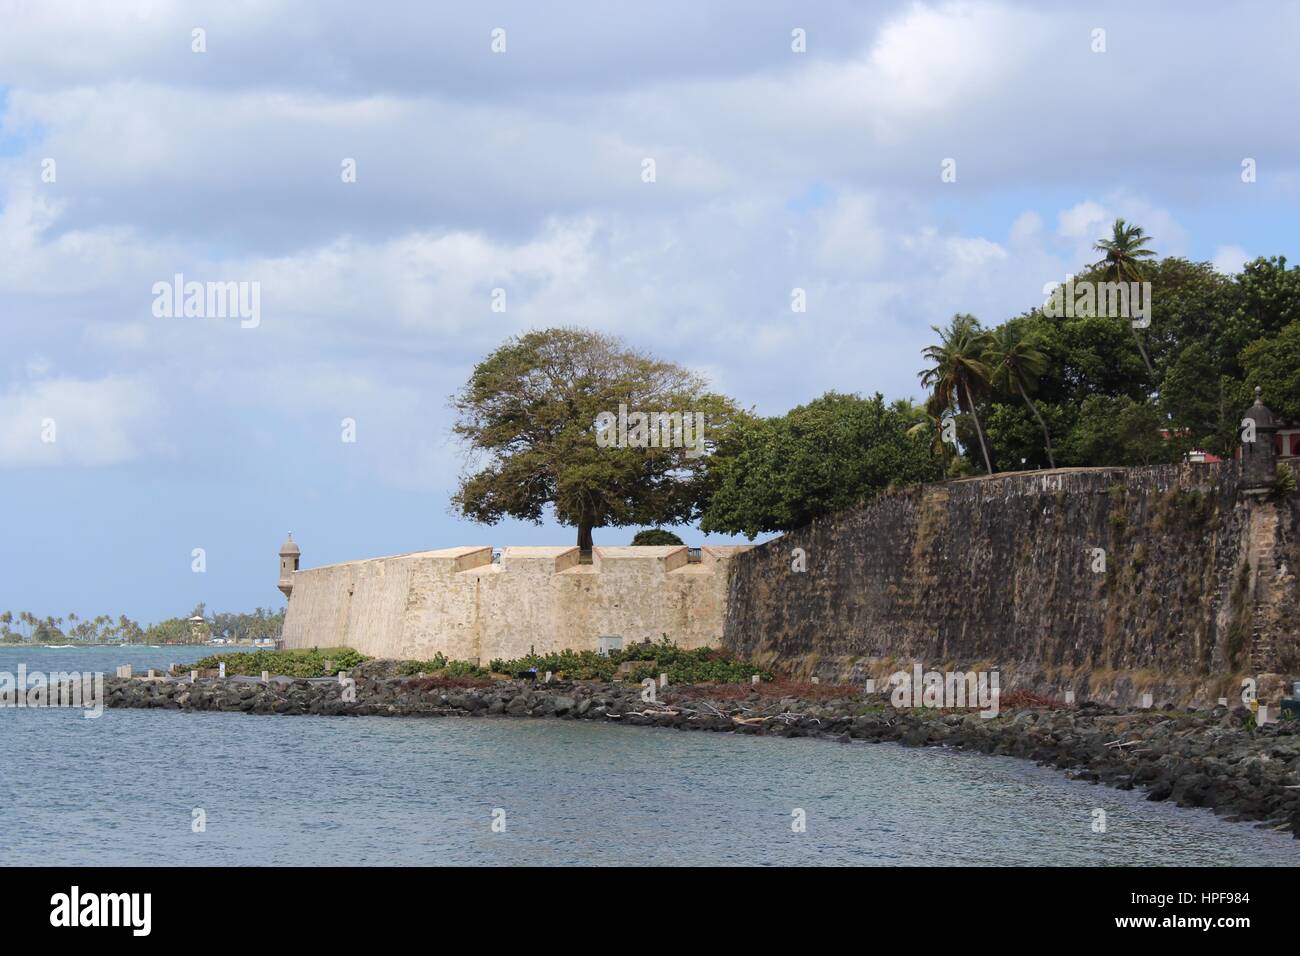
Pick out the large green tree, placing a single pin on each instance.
(774, 474)
(530, 415)
(1273, 364)
(1121, 431)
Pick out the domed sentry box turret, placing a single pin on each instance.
(1258, 461)
(289, 555)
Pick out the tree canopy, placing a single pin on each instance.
(774, 474)
(1046, 388)
(1109, 396)
(547, 421)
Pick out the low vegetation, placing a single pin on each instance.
(439, 664)
(704, 665)
(287, 663)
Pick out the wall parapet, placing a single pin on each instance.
(1191, 476)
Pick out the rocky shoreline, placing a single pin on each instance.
(1208, 758)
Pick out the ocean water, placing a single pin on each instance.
(126, 789)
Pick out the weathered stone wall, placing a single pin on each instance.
(999, 572)
(457, 602)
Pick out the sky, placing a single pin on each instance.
(133, 149)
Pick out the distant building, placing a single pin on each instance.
(1288, 441)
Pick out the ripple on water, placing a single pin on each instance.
(313, 790)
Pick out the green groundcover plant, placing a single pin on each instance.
(287, 663)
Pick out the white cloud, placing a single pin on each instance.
(1085, 220)
(473, 177)
(1027, 228)
(67, 421)
(1229, 259)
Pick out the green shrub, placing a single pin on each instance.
(655, 536)
(705, 665)
(432, 666)
(288, 663)
(441, 666)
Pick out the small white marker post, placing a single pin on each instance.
(1069, 697)
(1146, 700)
(816, 680)
(194, 677)
(871, 685)
(1223, 702)
(343, 677)
(754, 679)
(663, 680)
(1262, 717)
(548, 677)
(221, 669)
(266, 677)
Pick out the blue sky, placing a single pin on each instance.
(522, 170)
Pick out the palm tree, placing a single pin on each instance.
(959, 376)
(1016, 366)
(1125, 251)
(927, 420)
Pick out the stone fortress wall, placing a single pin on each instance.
(462, 604)
(1198, 588)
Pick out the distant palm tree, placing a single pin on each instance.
(1015, 367)
(959, 376)
(1125, 252)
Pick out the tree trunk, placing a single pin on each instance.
(978, 429)
(584, 537)
(1145, 361)
(1047, 439)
